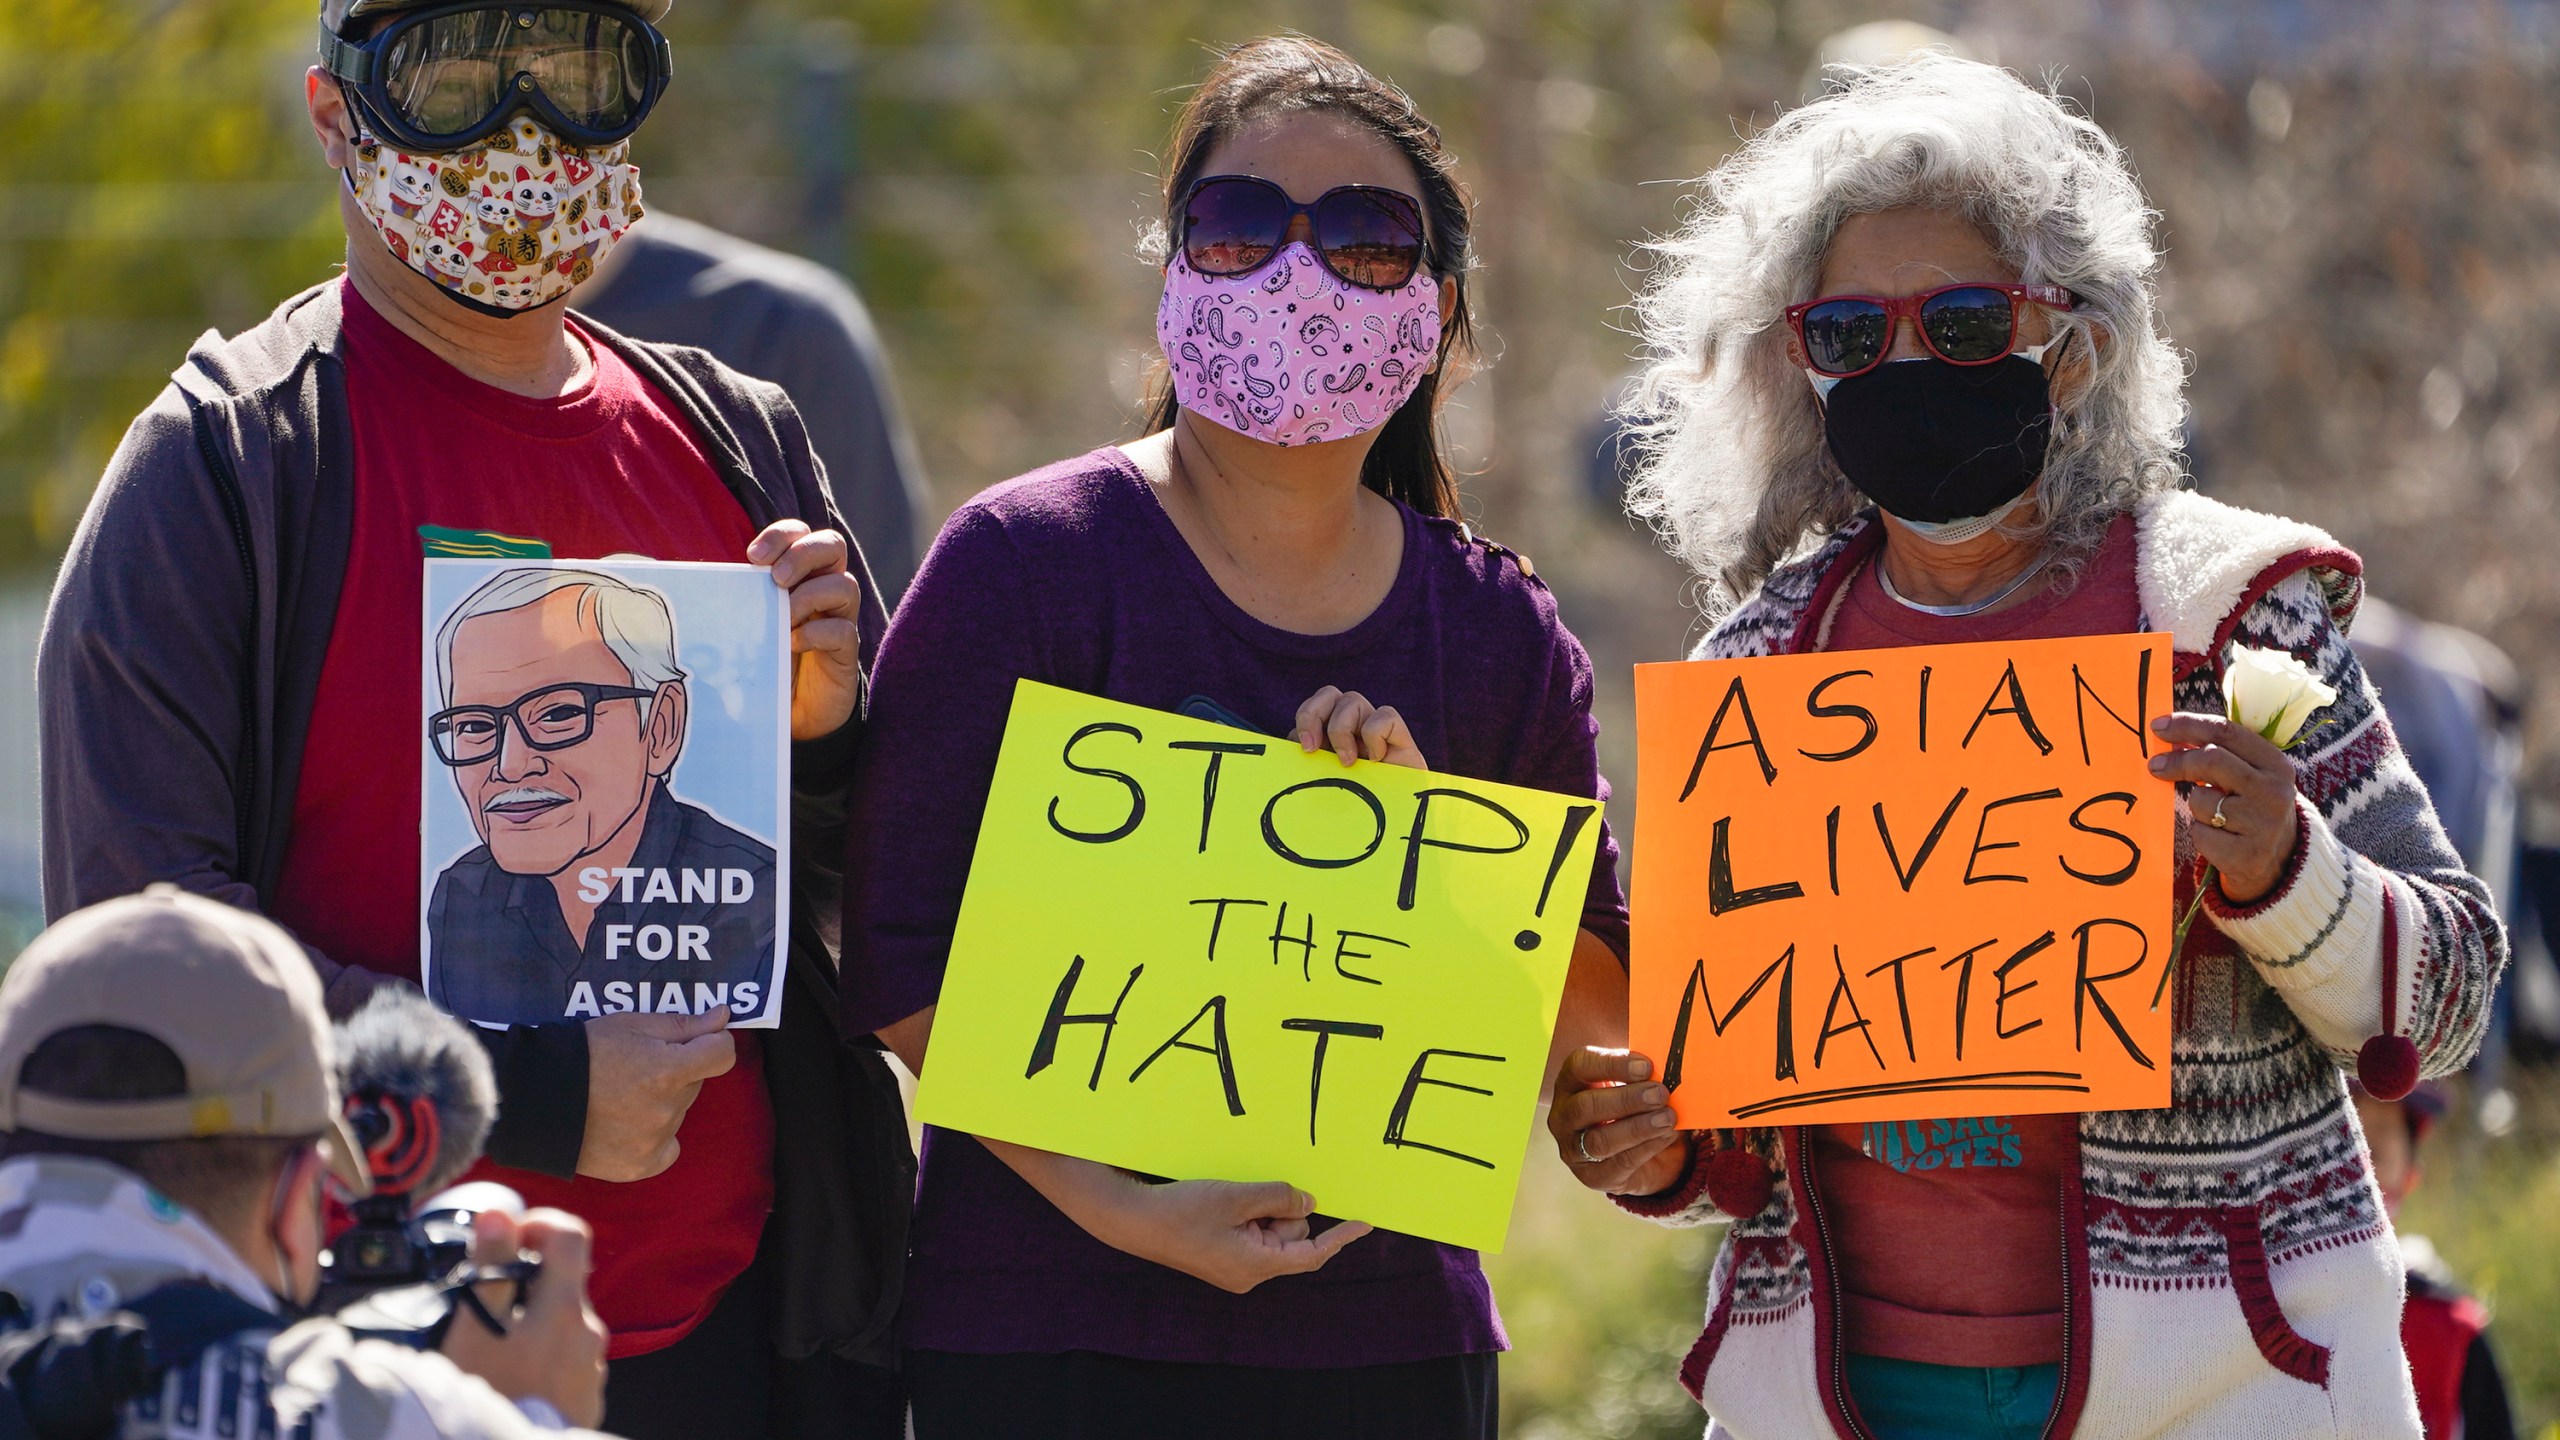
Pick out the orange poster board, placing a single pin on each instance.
(1904, 884)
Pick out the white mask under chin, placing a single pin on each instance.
(1956, 532)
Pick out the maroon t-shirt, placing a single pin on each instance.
(610, 469)
(1949, 1232)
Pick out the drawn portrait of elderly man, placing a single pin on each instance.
(593, 888)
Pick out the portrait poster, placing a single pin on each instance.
(603, 771)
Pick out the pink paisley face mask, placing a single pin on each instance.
(1292, 354)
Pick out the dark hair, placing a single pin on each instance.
(1281, 74)
(223, 1178)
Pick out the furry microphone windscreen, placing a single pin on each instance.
(400, 1044)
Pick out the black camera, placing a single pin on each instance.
(405, 1279)
(388, 1247)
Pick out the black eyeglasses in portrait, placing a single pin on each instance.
(554, 717)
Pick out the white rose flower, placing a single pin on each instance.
(2272, 693)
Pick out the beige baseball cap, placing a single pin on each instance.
(336, 13)
(228, 991)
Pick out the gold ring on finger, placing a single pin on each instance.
(2215, 819)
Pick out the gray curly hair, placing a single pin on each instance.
(1732, 465)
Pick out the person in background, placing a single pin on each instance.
(230, 694)
(169, 1114)
(1907, 387)
(798, 324)
(2457, 706)
(1282, 553)
(2461, 1394)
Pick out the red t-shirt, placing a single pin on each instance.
(2438, 1327)
(1949, 1232)
(611, 469)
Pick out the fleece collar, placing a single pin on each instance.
(2199, 564)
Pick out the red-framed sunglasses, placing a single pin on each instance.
(1366, 234)
(1970, 324)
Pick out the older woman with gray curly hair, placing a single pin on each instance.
(1907, 387)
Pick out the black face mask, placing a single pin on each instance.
(1934, 442)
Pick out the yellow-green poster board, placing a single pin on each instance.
(1198, 952)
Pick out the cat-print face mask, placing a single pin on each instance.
(505, 226)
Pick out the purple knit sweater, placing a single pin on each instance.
(1075, 576)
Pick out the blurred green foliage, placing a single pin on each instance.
(152, 182)
(1601, 1307)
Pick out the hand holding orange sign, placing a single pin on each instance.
(1904, 884)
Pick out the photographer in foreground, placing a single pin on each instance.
(166, 1086)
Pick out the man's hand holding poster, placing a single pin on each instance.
(1904, 884)
(1199, 952)
(604, 767)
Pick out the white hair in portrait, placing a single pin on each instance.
(635, 624)
(1732, 466)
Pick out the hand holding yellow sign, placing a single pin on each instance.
(1904, 884)
(1193, 951)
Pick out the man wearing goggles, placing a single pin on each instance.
(492, 142)
(230, 673)
(463, 93)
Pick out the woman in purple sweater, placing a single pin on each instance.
(1281, 554)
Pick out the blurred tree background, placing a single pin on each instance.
(2358, 195)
